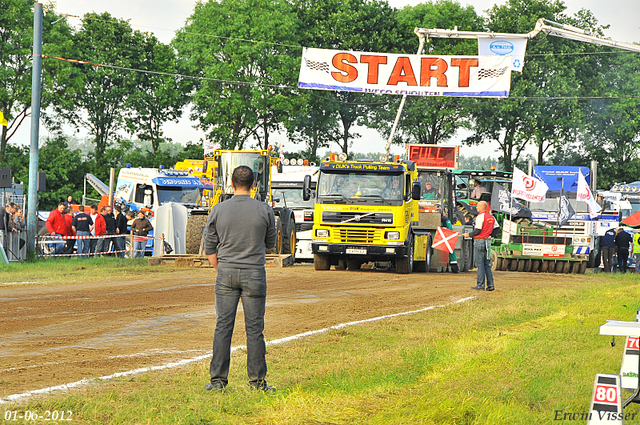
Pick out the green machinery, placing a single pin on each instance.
(533, 247)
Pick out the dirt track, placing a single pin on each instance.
(52, 335)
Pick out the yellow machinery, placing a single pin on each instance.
(219, 168)
(368, 211)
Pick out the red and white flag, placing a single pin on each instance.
(584, 194)
(445, 240)
(281, 153)
(527, 187)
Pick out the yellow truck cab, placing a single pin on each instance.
(366, 211)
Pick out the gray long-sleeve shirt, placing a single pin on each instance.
(239, 230)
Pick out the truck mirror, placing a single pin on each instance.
(415, 191)
(306, 189)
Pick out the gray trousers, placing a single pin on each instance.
(481, 251)
(607, 257)
(250, 285)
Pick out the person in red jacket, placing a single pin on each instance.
(68, 219)
(101, 229)
(56, 225)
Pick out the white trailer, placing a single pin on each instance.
(286, 191)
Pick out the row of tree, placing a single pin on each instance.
(235, 65)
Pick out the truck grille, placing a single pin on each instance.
(357, 217)
(362, 236)
(301, 227)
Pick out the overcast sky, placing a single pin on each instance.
(164, 17)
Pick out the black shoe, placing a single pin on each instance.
(491, 289)
(214, 385)
(478, 288)
(454, 268)
(262, 386)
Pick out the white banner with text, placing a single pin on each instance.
(413, 75)
(514, 47)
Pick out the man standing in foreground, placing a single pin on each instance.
(237, 233)
(484, 227)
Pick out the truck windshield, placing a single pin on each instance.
(181, 195)
(466, 184)
(292, 196)
(228, 161)
(551, 203)
(389, 187)
(432, 184)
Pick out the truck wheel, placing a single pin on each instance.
(583, 267)
(127, 248)
(535, 265)
(353, 265)
(496, 262)
(506, 264)
(195, 226)
(466, 256)
(596, 249)
(321, 262)
(575, 267)
(289, 243)
(278, 248)
(471, 261)
(567, 267)
(44, 248)
(544, 268)
(424, 266)
(521, 264)
(552, 266)
(404, 265)
(513, 265)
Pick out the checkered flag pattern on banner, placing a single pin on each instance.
(491, 73)
(317, 66)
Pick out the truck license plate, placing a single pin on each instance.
(362, 251)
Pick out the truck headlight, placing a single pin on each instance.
(393, 235)
(322, 233)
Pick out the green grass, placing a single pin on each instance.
(74, 270)
(512, 357)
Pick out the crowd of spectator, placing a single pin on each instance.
(102, 233)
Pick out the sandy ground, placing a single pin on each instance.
(52, 335)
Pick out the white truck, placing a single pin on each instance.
(582, 229)
(286, 189)
(148, 189)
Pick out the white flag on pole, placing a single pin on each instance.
(514, 47)
(527, 187)
(584, 194)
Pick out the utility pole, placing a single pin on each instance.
(32, 201)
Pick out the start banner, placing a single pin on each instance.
(413, 75)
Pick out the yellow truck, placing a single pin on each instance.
(218, 169)
(367, 211)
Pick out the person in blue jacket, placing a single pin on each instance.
(607, 248)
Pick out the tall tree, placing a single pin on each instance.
(429, 120)
(64, 169)
(314, 124)
(99, 97)
(158, 98)
(515, 123)
(16, 43)
(247, 49)
(359, 25)
(613, 125)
